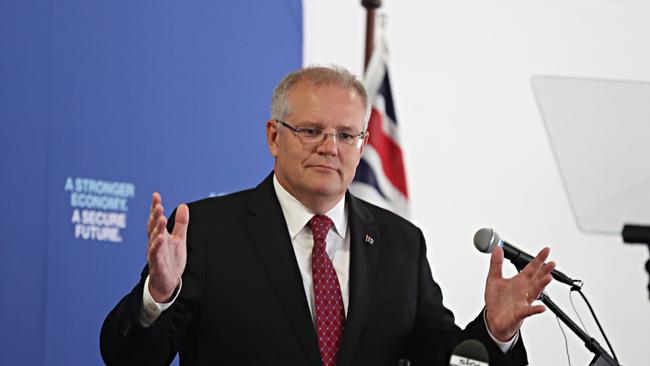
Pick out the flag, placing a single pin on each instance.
(380, 178)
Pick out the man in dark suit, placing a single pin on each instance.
(297, 271)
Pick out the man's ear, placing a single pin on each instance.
(272, 136)
(365, 141)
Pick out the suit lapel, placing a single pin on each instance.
(270, 235)
(365, 244)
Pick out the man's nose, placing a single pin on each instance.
(329, 144)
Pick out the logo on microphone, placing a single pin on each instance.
(469, 352)
(464, 361)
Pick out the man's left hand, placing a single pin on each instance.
(509, 301)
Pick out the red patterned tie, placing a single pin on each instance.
(330, 314)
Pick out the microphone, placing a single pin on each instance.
(469, 353)
(486, 239)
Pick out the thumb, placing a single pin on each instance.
(496, 263)
(181, 221)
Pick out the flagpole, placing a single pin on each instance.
(380, 177)
(371, 7)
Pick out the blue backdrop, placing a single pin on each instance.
(101, 104)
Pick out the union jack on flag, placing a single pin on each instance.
(380, 178)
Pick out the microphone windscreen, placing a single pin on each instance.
(469, 353)
(636, 234)
(485, 239)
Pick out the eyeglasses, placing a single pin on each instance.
(315, 135)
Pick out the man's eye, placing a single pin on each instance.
(345, 136)
(310, 131)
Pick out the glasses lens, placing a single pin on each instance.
(312, 136)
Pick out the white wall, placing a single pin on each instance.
(477, 153)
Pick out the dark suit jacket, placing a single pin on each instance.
(243, 303)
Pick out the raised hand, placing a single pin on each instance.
(509, 301)
(166, 253)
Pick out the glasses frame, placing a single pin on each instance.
(298, 131)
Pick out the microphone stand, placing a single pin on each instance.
(601, 358)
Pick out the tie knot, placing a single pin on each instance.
(320, 225)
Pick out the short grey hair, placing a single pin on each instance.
(316, 76)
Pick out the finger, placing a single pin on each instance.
(156, 213)
(546, 269)
(541, 285)
(496, 264)
(182, 220)
(159, 230)
(534, 265)
(153, 251)
(155, 199)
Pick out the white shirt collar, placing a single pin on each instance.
(297, 215)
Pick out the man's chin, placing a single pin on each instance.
(326, 187)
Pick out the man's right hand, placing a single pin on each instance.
(166, 253)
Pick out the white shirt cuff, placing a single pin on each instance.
(151, 310)
(503, 346)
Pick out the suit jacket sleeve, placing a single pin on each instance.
(124, 342)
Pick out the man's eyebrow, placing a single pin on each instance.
(348, 129)
(307, 123)
(321, 125)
